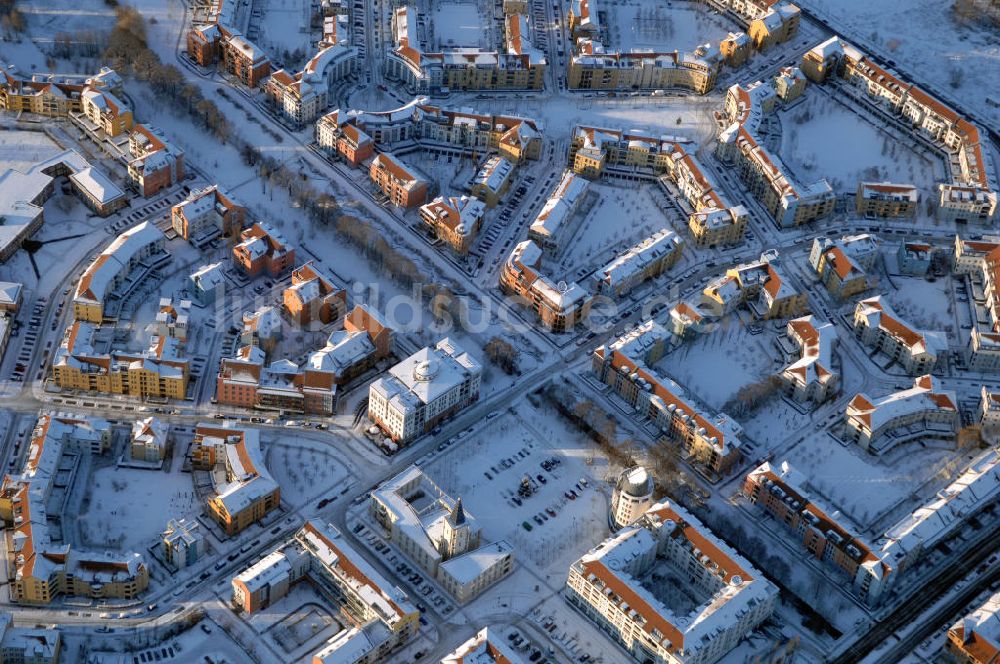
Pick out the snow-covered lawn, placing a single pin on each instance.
(926, 40)
(823, 138)
(714, 366)
(620, 217)
(20, 150)
(284, 29)
(872, 491)
(458, 24)
(473, 469)
(304, 468)
(654, 25)
(923, 303)
(129, 507)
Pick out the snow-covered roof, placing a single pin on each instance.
(484, 648)
(613, 566)
(561, 204)
(978, 485)
(637, 258)
(494, 173)
(342, 350)
(816, 339)
(884, 411)
(117, 258)
(430, 373)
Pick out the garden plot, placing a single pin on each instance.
(619, 219)
(458, 24)
(487, 469)
(127, 508)
(651, 25)
(873, 491)
(823, 138)
(304, 468)
(925, 304)
(713, 367)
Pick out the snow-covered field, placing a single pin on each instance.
(654, 25)
(714, 366)
(129, 507)
(20, 150)
(458, 24)
(823, 138)
(925, 40)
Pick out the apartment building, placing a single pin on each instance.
(42, 570)
(117, 271)
(428, 386)
(989, 407)
(48, 96)
(485, 647)
(781, 492)
(365, 340)
(207, 284)
(183, 543)
(492, 180)
(380, 616)
(311, 297)
(914, 258)
(843, 265)
(981, 260)
(110, 114)
(812, 377)
(595, 67)
(437, 533)
(86, 360)
(559, 306)
(648, 259)
(789, 84)
(553, 224)
(886, 199)
(206, 214)
(715, 227)
(878, 424)
(156, 164)
(245, 492)
(759, 285)
(519, 66)
(735, 49)
(690, 318)
(354, 134)
(344, 138)
(971, 195)
(975, 637)
(149, 440)
(262, 250)
(606, 585)
(27, 645)
(879, 327)
(765, 175)
(779, 22)
(218, 42)
(454, 219)
(403, 185)
(248, 381)
(712, 441)
(171, 319)
(977, 488)
(302, 96)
